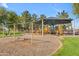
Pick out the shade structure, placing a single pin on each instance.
(54, 21)
(57, 21)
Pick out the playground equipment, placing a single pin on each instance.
(59, 30)
(55, 21)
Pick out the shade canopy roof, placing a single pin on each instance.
(54, 20)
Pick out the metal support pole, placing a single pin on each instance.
(53, 29)
(74, 28)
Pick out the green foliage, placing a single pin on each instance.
(75, 7)
(23, 21)
(42, 17)
(62, 14)
(34, 17)
(33, 20)
(12, 17)
(26, 19)
(10, 34)
(26, 16)
(3, 15)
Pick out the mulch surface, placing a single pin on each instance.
(38, 46)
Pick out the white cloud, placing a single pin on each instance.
(4, 5)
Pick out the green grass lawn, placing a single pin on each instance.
(70, 47)
(11, 34)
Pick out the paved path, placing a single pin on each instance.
(38, 46)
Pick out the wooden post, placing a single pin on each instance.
(3, 30)
(9, 31)
(42, 27)
(14, 29)
(32, 32)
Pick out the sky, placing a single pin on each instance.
(49, 9)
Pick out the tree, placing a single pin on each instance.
(33, 20)
(62, 14)
(3, 19)
(26, 18)
(75, 7)
(34, 17)
(42, 19)
(12, 18)
(3, 15)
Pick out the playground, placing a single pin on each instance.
(34, 42)
(40, 31)
(39, 46)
